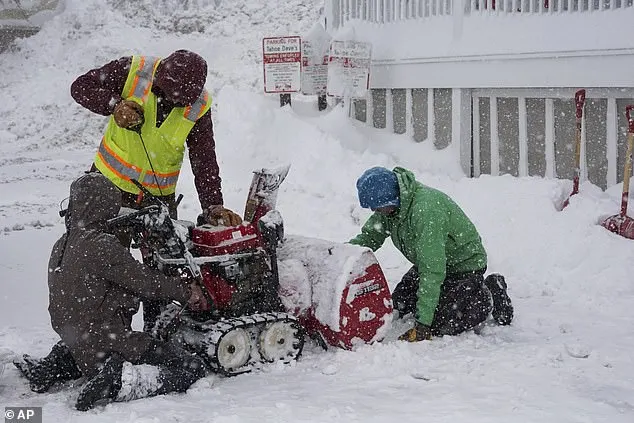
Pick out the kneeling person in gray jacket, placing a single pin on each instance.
(94, 290)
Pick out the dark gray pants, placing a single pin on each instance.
(178, 368)
(464, 301)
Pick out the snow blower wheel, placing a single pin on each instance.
(280, 341)
(234, 349)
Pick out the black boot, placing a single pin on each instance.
(174, 370)
(104, 386)
(178, 368)
(502, 306)
(57, 367)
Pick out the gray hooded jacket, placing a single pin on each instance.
(95, 283)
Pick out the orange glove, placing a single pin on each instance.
(218, 215)
(417, 333)
(128, 114)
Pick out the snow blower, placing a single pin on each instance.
(621, 223)
(580, 98)
(265, 291)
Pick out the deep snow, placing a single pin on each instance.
(566, 358)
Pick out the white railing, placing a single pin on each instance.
(544, 6)
(385, 11)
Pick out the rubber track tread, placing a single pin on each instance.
(218, 330)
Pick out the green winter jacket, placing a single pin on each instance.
(432, 232)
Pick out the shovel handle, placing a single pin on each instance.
(630, 119)
(580, 99)
(627, 173)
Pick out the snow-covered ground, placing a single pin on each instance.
(568, 357)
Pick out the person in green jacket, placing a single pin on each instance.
(445, 289)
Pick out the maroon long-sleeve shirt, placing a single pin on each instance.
(99, 90)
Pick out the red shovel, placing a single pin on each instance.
(621, 223)
(580, 98)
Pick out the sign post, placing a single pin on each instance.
(315, 46)
(282, 59)
(349, 69)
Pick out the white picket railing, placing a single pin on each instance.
(386, 11)
(521, 50)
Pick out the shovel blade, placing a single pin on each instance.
(620, 225)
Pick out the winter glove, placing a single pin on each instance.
(128, 114)
(419, 332)
(197, 300)
(218, 215)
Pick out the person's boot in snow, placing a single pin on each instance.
(165, 368)
(57, 367)
(502, 306)
(178, 369)
(104, 386)
(146, 380)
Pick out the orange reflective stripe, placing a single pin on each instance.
(163, 175)
(205, 99)
(143, 78)
(127, 171)
(136, 77)
(160, 180)
(198, 108)
(145, 184)
(116, 164)
(113, 170)
(146, 91)
(146, 75)
(118, 159)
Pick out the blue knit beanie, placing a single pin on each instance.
(378, 187)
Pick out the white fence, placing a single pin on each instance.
(385, 11)
(530, 132)
(496, 77)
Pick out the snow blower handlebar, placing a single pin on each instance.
(164, 226)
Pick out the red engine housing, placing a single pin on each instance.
(218, 240)
(235, 263)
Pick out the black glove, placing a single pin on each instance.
(419, 332)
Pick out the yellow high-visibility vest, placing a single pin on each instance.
(121, 156)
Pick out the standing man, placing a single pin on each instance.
(156, 108)
(445, 289)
